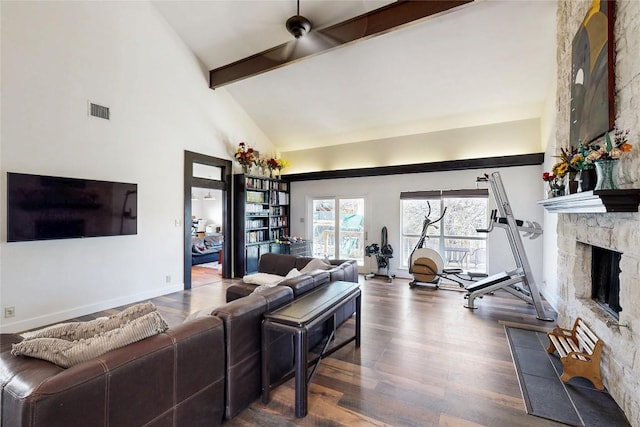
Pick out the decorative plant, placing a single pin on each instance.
(610, 150)
(555, 182)
(245, 155)
(583, 152)
(275, 163)
(570, 162)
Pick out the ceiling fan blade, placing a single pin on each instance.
(370, 24)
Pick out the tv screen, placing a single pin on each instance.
(49, 207)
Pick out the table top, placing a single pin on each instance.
(311, 305)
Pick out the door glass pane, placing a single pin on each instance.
(324, 228)
(351, 230)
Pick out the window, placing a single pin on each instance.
(455, 237)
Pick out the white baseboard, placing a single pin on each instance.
(60, 316)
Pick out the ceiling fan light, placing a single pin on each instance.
(298, 26)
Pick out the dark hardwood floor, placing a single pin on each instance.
(425, 360)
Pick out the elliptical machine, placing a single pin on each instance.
(425, 264)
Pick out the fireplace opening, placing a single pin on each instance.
(605, 279)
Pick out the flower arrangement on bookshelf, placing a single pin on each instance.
(276, 165)
(246, 156)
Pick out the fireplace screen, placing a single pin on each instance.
(605, 279)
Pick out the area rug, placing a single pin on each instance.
(576, 403)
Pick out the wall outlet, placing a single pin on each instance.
(167, 278)
(9, 312)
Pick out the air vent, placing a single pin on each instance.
(99, 111)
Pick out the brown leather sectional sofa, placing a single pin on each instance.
(195, 374)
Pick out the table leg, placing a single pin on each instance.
(358, 319)
(301, 352)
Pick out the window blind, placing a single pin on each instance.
(437, 194)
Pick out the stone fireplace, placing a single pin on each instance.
(578, 233)
(615, 236)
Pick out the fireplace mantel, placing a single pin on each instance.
(598, 201)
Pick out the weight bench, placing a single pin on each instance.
(580, 350)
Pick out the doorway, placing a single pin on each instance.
(207, 217)
(338, 228)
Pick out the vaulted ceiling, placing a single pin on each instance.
(485, 62)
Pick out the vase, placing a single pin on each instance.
(606, 171)
(572, 184)
(588, 178)
(245, 169)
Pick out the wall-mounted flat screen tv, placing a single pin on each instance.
(49, 207)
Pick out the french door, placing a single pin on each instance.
(338, 228)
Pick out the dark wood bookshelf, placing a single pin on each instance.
(261, 218)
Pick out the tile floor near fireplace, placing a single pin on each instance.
(576, 403)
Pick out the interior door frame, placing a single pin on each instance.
(225, 186)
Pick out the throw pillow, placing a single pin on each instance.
(72, 331)
(315, 264)
(263, 279)
(68, 353)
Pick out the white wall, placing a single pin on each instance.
(493, 140)
(58, 56)
(549, 286)
(382, 195)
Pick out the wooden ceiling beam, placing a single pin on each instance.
(376, 22)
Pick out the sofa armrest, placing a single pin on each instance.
(299, 285)
(239, 290)
(345, 270)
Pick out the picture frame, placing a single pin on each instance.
(592, 75)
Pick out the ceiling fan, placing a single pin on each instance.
(379, 21)
(298, 25)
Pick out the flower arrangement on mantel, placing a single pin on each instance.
(585, 157)
(610, 150)
(245, 155)
(556, 184)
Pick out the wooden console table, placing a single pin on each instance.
(298, 318)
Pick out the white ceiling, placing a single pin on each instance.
(486, 62)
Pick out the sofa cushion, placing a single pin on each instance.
(72, 331)
(276, 263)
(67, 353)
